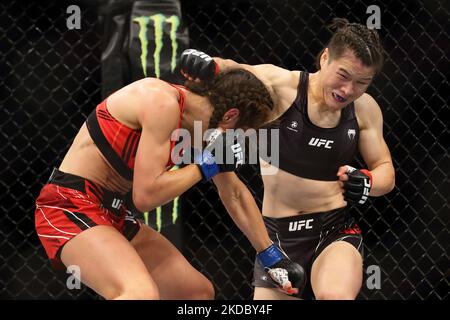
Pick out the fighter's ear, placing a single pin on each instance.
(324, 58)
(230, 118)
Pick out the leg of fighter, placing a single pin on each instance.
(337, 272)
(271, 294)
(109, 264)
(176, 278)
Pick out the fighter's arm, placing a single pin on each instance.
(240, 204)
(198, 66)
(242, 208)
(152, 184)
(274, 77)
(373, 147)
(266, 72)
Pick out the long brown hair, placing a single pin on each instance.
(364, 42)
(236, 88)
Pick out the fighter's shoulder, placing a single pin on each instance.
(367, 110)
(275, 75)
(155, 89)
(156, 99)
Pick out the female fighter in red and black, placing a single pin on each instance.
(124, 145)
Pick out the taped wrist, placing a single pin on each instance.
(207, 165)
(270, 256)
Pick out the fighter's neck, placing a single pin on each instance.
(196, 108)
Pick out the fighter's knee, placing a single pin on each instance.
(334, 294)
(131, 294)
(203, 291)
(140, 291)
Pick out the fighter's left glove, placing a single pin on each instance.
(288, 275)
(358, 185)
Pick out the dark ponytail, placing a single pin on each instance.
(364, 42)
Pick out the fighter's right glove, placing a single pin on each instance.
(288, 275)
(197, 65)
(357, 187)
(224, 153)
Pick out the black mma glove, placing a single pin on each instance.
(197, 64)
(358, 185)
(224, 153)
(281, 269)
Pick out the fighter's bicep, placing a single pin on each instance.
(153, 151)
(372, 145)
(151, 156)
(373, 148)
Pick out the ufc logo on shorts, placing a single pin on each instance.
(116, 203)
(237, 150)
(316, 142)
(298, 225)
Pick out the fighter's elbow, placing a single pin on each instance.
(391, 184)
(143, 201)
(387, 186)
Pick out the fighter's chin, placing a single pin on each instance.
(333, 105)
(337, 102)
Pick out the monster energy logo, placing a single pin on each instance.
(159, 211)
(158, 22)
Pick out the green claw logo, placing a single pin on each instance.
(158, 22)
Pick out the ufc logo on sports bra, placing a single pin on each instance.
(316, 142)
(299, 225)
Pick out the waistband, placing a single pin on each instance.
(311, 223)
(110, 200)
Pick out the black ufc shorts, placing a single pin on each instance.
(304, 237)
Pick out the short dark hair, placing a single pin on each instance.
(236, 88)
(364, 42)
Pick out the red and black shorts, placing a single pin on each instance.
(69, 204)
(304, 237)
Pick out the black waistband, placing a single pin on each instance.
(67, 180)
(111, 200)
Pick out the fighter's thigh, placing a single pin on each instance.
(109, 264)
(337, 272)
(270, 294)
(175, 276)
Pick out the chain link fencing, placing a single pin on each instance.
(51, 80)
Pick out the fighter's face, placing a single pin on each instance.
(344, 79)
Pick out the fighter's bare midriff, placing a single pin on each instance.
(84, 159)
(288, 195)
